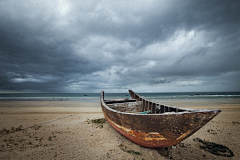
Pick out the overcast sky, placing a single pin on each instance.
(94, 45)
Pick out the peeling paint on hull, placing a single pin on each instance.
(140, 138)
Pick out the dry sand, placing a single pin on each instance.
(61, 130)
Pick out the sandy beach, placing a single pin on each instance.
(64, 130)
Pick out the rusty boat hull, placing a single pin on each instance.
(162, 127)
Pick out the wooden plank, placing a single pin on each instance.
(148, 106)
(143, 105)
(153, 107)
(119, 101)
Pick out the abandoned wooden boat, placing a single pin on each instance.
(151, 124)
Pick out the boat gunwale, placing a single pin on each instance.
(188, 111)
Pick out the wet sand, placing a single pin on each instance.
(63, 130)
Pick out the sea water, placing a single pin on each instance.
(95, 97)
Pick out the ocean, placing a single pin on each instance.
(95, 97)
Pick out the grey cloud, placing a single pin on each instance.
(77, 46)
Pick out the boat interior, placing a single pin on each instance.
(141, 105)
(137, 107)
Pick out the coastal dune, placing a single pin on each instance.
(64, 130)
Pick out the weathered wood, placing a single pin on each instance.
(119, 101)
(153, 107)
(161, 108)
(158, 109)
(150, 106)
(146, 104)
(157, 130)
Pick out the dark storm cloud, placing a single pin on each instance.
(79, 46)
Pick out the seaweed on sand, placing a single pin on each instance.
(99, 122)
